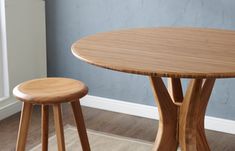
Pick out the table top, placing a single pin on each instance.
(164, 52)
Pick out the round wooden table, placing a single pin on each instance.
(199, 54)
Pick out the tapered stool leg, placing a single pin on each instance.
(77, 111)
(59, 127)
(24, 126)
(44, 128)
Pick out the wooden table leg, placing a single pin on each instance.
(166, 139)
(44, 128)
(24, 126)
(182, 123)
(192, 112)
(59, 127)
(175, 90)
(205, 96)
(77, 111)
(188, 116)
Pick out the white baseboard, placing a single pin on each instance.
(211, 123)
(10, 109)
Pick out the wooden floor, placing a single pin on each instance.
(115, 123)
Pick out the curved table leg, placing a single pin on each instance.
(167, 131)
(205, 96)
(175, 90)
(183, 123)
(188, 117)
(192, 112)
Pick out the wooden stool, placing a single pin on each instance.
(45, 92)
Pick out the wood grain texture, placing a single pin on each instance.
(207, 88)
(50, 90)
(165, 52)
(188, 116)
(77, 112)
(192, 112)
(167, 130)
(59, 127)
(182, 124)
(45, 126)
(24, 126)
(175, 90)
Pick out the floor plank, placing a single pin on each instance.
(105, 121)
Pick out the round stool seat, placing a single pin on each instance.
(50, 90)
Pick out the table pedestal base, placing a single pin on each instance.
(182, 118)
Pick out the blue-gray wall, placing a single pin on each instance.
(69, 20)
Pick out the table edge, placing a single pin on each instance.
(155, 74)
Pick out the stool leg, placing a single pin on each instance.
(77, 111)
(44, 128)
(59, 127)
(24, 126)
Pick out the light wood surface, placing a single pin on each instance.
(201, 54)
(77, 112)
(188, 116)
(192, 112)
(167, 139)
(204, 98)
(168, 52)
(45, 92)
(182, 124)
(175, 90)
(45, 126)
(50, 90)
(24, 126)
(59, 127)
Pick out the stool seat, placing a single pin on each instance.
(50, 90)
